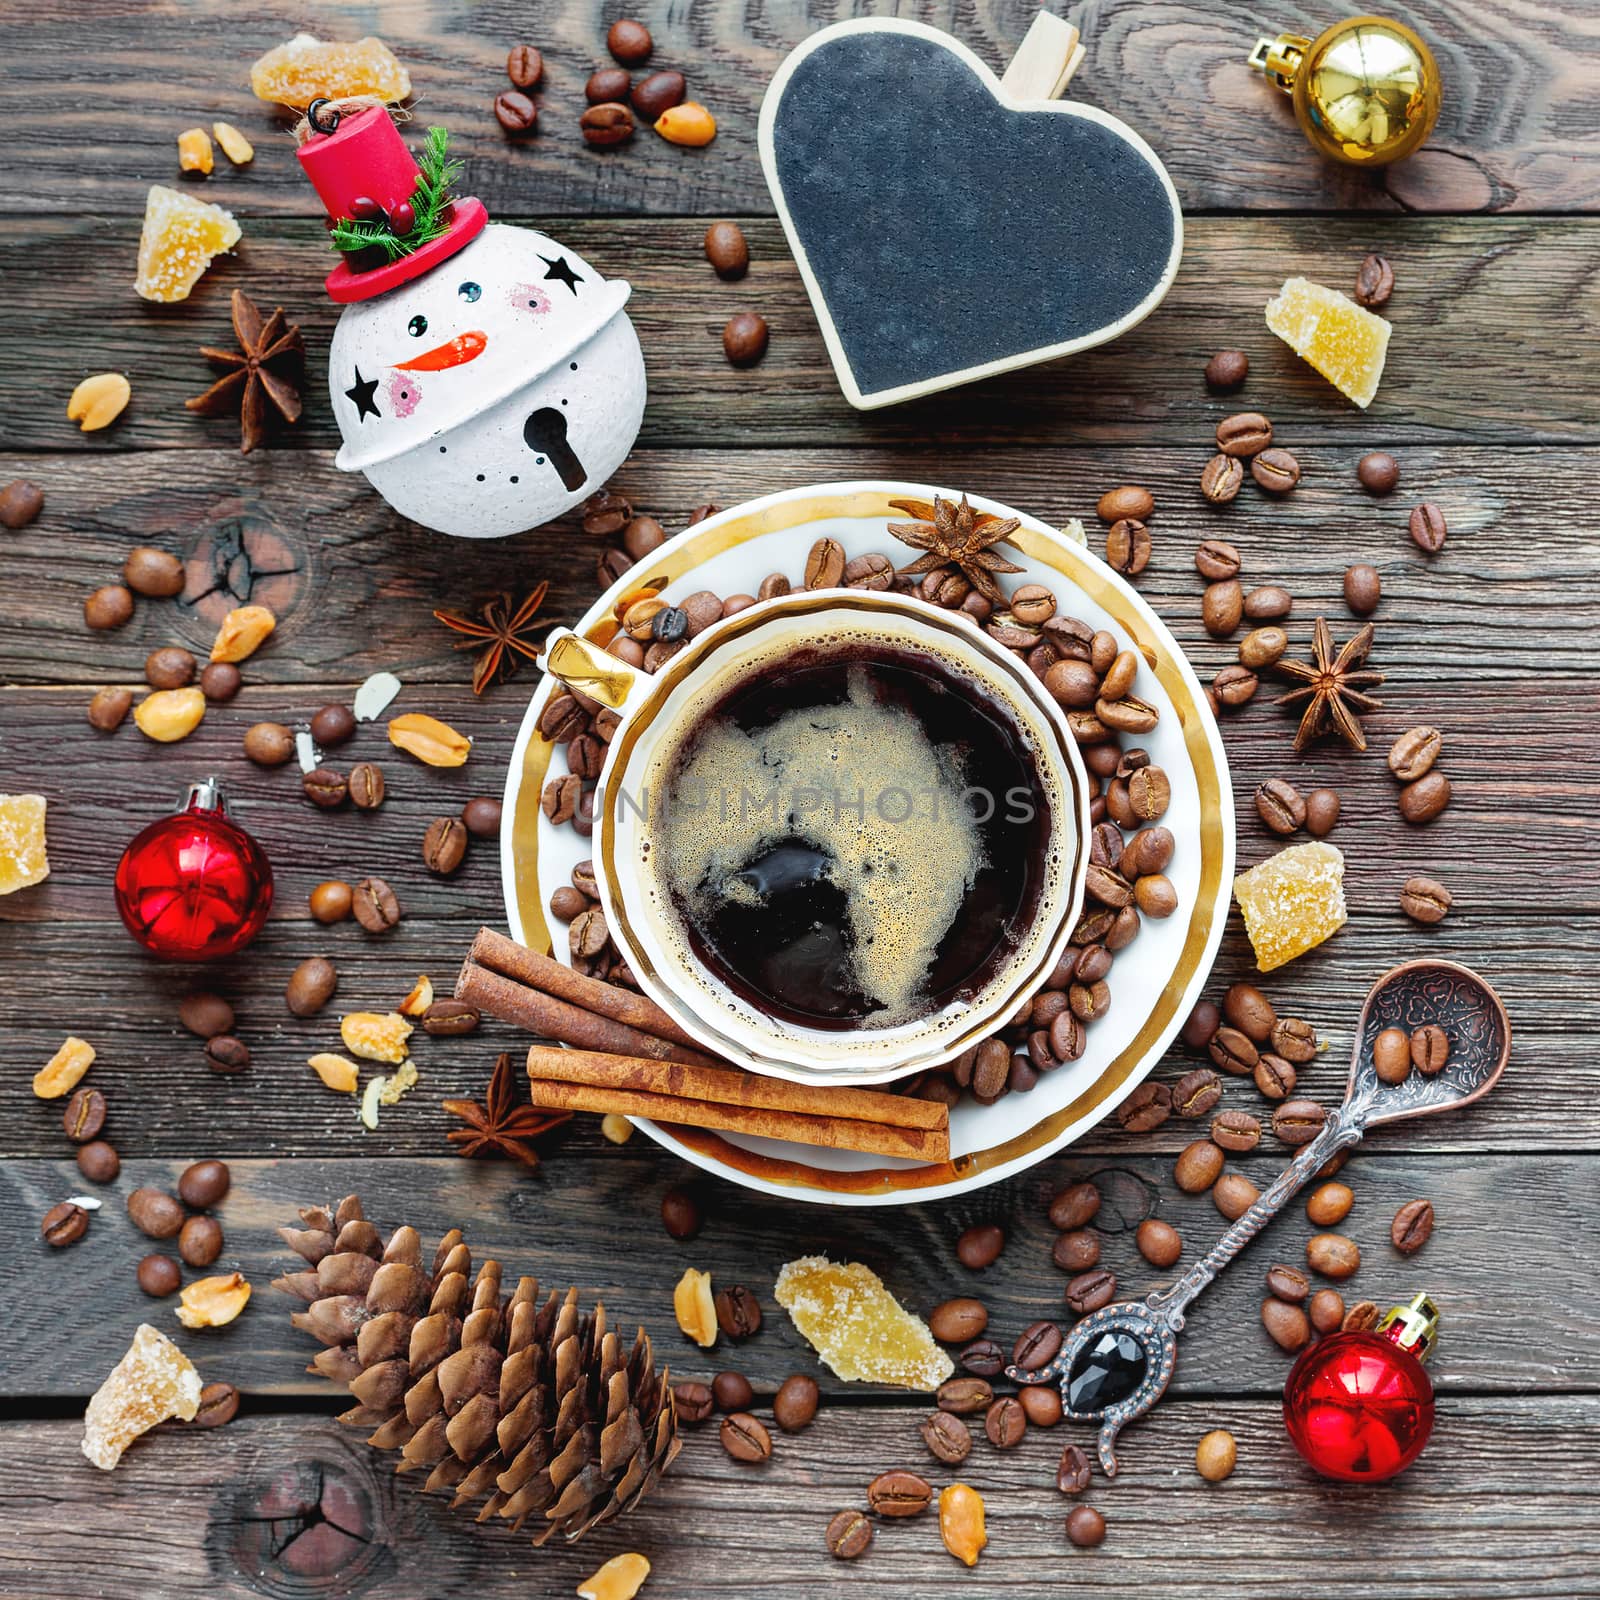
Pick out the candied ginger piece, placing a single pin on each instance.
(1292, 902)
(1345, 342)
(153, 1381)
(181, 237)
(859, 1329)
(306, 69)
(24, 859)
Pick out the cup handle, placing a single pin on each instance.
(580, 665)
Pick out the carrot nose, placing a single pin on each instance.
(464, 347)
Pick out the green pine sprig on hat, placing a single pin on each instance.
(429, 203)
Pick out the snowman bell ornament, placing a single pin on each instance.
(485, 378)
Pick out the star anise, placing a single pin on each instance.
(956, 536)
(1333, 685)
(502, 634)
(262, 372)
(501, 1127)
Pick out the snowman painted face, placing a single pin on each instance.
(492, 393)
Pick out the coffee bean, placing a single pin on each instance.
(108, 607)
(1391, 1055)
(606, 125)
(608, 85)
(1216, 1455)
(200, 1241)
(744, 1438)
(1422, 801)
(1006, 1423)
(744, 338)
(1089, 1291)
(1146, 1108)
(376, 908)
(1128, 546)
(1216, 560)
(325, 787)
(1378, 472)
(333, 725)
(1129, 502)
(1413, 754)
(449, 1019)
(694, 1402)
(108, 709)
(562, 718)
(205, 1015)
(444, 845)
(1294, 1039)
(99, 1161)
(1244, 434)
(1332, 1255)
(1287, 1326)
(681, 1214)
(824, 564)
(629, 42)
(220, 681)
(1159, 1242)
(1039, 1343)
(1066, 1041)
(155, 1213)
(329, 902)
(1246, 1008)
(1077, 1250)
(269, 744)
(311, 986)
(1073, 1474)
(1233, 1052)
(871, 571)
(1277, 471)
(795, 1403)
(159, 1276)
(738, 1312)
(1233, 1194)
(1427, 528)
(1280, 806)
(203, 1184)
(1298, 1122)
(219, 1405)
(1412, 1226)
(658, 93)
(1374, 282)
(1330, 1203)
(64, 1224)
(169, 668)
(1274, 1077)
(726, 249)
(1322, 812)
(365, 786)
(963, 1397)
(1430, 1049)
(515, 112)
(524, 66)
(1201, 1023)
(1261, 647)
(1149, 795)
(1288, 1283)
(1074, 1206)
(1222, 607)
(1149, 850)
(1326, 1310)
(848, 1535)
(1268, 602)
(1196, 1093)
(991, 1067)
(1362, 588)
(1362, 1317)
(226, 1054)
(899, 1494)
(1425, 900)
(1198, 1166)
(983, 1358)
(956, 1321)
(1237, 1131)
(22, 501)
(1086, 1528)
(732, 1391)
(1227, 369)
(1041, 1404)
(84, 1116)
(980, 1245)
(947, 1437)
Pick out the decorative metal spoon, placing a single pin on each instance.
(1118, 1361)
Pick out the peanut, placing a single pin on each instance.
(335, 1071)
(694, 1308)
(170, 714)
(619, 1579)
(60, 1074)
(235, 146)
(420, 998)
(194, 150)
(375, 1037)
(213, 1302)
(961, 1522)
(397, 1084)
(616, 1128)
(242, 633)
(689, 123)
(97, 402)
(429, 740)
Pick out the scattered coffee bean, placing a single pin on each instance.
(1294, 1039)
(732, 1391)
(444, 845)
(84, 1116)
(1287, 1326)
(1422, 801)
(226, 1054)
(1288, 1283)
(1413, 754)
(1237, 1131)
(1074, 1206)
(1089, 1291)
(899, 1494)
(1362, 1317)
(170, 667)
(629, 42)
(824, 564)
(1041, 1404)
(947, 1437)
(1227, 369)
(1196, 1093)
(738, 1312)
(1427, 528)
(1149, 795)
(515, 112)
(64, 1224)
(604, 126)
(1332, 1255)
(744, 338)
(1128, 546)
(1430, 1049)
(1363, 588)
(269, 744)
(1201, 1024)
(1246, 1008)
(1198, 1166)
(1086, 1528)
(1073, 1473)
(200, 1241)
(983, 1358)
(154, 573)
(376, 907)
(205, 1015)
(1233, 1194)
(1322, 812)
(1222, 607)
(159, 1276)
(220, 681)
(1129, 501)
(1147, 1107)
(1158, 1242)
(1276, 470)
(587, 933)
(329, 902)
(325, 787)
(1261, 647)
(1391, 1055)
(333, 725)
(658, 93)
(1216, 560)
(1329, 1204)
(681, 1214)
(1216, 1455)
(1298, 1122)
(109, 708)
(1274, 1077)
(848, 1536)
(22, 501)
(311, 986)
(1233, 1052)
(1374, 282)
(608, 86)
(958, 1320)
(1006, 1423)
(108, 607)
(727, 250)
(1378, 472)
(203, 1184)
(744, 1438)
(155, 1213)
(1268, 603)
(1076, 1251)
(980, 1245)
(219, 1405)
(1425, 900)
(1412, 1226)
(695, 1402)
(1039, 1343)
(99, 1161)
(366, 785)
(1033, 605)
(524, 66)
(1246, 433)
(1280, 805)
(449, 1018)
(796, 1401)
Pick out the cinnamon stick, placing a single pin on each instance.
(579, 1080)
(512, 960)
(554, 1018)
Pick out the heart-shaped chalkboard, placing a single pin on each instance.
(947, 231)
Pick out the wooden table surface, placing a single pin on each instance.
(1489, 402)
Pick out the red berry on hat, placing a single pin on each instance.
(365, 209)
(402, 219)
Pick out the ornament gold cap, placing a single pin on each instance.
(1414, 1327)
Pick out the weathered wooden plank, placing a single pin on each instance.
(183, 1516)
(1484, 308)
(1175, 71)
(591, 1219)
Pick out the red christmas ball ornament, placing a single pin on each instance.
(194, 886)
(1359, 1406)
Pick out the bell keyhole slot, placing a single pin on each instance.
(546, 433)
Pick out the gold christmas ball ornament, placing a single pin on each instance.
(1365, 91)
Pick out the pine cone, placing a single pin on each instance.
(533, 1407)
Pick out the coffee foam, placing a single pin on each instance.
(905, 880)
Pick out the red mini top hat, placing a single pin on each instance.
(361, 169)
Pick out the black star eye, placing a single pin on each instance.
(417, 326)
(469, 292)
